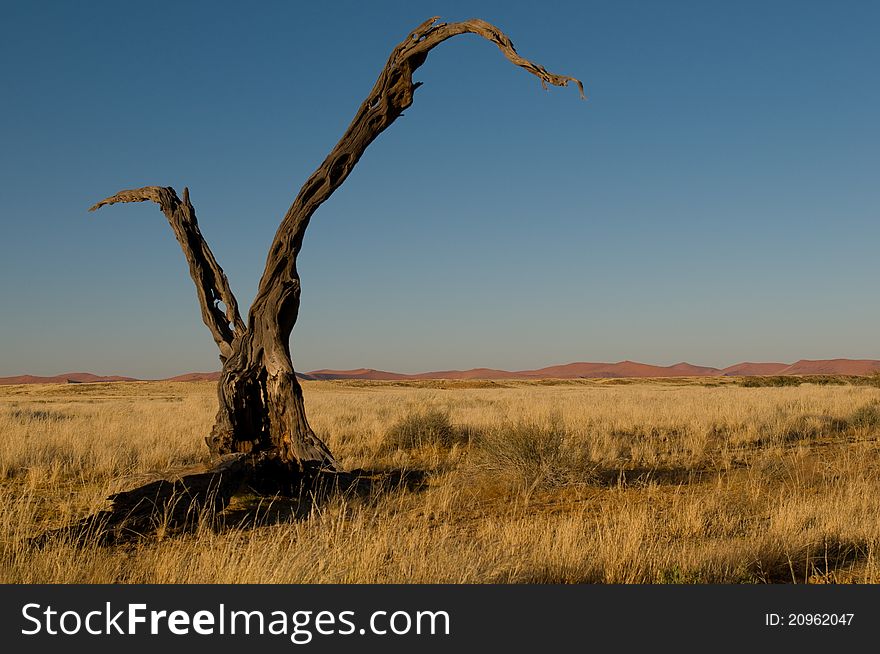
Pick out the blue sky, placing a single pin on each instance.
(715, 199)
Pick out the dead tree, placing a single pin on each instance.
(261, 416)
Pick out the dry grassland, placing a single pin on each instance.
(646, 482)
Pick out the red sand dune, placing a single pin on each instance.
(620, 369)
(64, 378)
(566, 371)
(747, 368)
(360, 373)
(474, 373)
(833, 367)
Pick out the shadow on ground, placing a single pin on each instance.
(250, 508)
(164, 507)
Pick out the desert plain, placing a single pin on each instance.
(677, 480)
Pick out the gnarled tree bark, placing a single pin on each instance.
(261, 411)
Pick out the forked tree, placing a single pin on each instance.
(261, 417)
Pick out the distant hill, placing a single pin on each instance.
(474, 373)
(833, 367)
(620, 369)
(747, 369)
(579, 370)
(360, 373)
(65, 378)
(566, 371)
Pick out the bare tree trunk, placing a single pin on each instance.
(261, 411)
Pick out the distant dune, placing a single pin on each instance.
(747, 368)
(360, 373)
(65, 378)
(566, 371)
(620, 369)
(833, 367)
(473, 373)
(579, 370)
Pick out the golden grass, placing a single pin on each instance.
(646, 482)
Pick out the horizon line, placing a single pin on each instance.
(707, 370)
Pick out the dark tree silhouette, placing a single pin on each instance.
(261, 428)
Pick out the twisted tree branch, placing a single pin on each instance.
(277, 296)
(428, 35)
(211, 283)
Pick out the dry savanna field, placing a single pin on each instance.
(584, 481)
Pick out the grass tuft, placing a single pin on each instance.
(530, 455)
(429, 428)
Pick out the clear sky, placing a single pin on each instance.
(715, 200)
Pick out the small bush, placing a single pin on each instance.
(870, 380)
(431, 427)
(866, 417)
(797, 380)
(530, 455)
(38, 415)
(775, 380)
